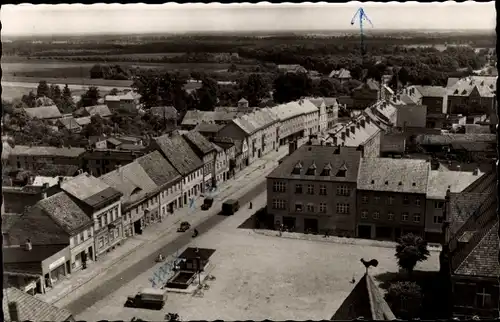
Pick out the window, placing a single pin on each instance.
(342, 208)
(364, 214)
(404, 216)
(298, 188)
(376, 215)
(438, 219)
(390, 215)
(390, 200)
(322, 189)
(310, 208)
(406, 200)
(279, 187)
(376, 199)
(101, 242)
(279, 204)
(364, 199)
(322, 207)
(310, 189)
(438, 204)
(416, 217)
(298, 207)
(417, 201)
(483, 299)
(343, 191)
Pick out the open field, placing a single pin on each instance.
(43, 69)
(261, 277)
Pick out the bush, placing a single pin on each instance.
(405, 299)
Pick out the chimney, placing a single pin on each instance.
(363, 123)
(475, 172)
(334, 140)
(347, 132)
(353, 129)
(45, 187)
(361, 148)
(342, 135)
(394, 98)
(13, 311)
(27, 245)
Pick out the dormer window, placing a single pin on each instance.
(400, 183)
(373, 182)
(326, 170)
(297, 168)
(311, 171)
(386, 183)
(456, 91)
(342, 171)
(464, 92)
(413, 184)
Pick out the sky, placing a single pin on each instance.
(25, 19)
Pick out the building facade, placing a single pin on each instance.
(35, 157)
(391, 197)
(314, 189)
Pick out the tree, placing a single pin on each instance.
(43, 89)
(254, 89)
(403, 76)
(113, 92)
(66, 94)
(405, 299)
(29, 100)
(96, 127)
(290, 87)
(55, 93)
(146, 85)
(207, 94)
(410, 250)
(90, 97)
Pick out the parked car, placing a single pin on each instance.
(183, 227)
(148, 298)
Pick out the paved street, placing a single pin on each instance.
(138, 253)
(259, 277)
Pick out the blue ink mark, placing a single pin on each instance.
(362, 17)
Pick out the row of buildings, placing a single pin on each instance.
(339, 189)
(74, 220)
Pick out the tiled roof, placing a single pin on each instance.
(43, 112)
(8, 220)
(158, 168)
(395, 175)
(482, 261)
(200, 144)
(46, 151)
(38, 253)
(370, 83)
(114, 141)
(84, 186)
(194, 117)
(361, 134)
(477, 129)
(131, 180)
(432, 91)
(462, 206)
(485, 85)
(408, 100)
(320, 157)
(446, 139)
(30, 308)
(258, 120)
(293, 109)
(208, 127)
(330, 101)
(457, 180)
(175, 148)
(40, 228)
(365, 300)
(317, 101)
(451, 81)
(69, 123)
(101, 110)
(65, 212)
(393, 142)
(169, 112)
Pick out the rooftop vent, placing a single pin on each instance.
(413, 184)
(373, 181)
(386, 183)
(400, 183)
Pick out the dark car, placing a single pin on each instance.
(153, 299)
(207, 203)
(229, 207)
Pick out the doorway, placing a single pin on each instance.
(311, 225)
(364, 231)
(137, 227)
(289, 223)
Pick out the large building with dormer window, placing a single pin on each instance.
(391, 197)
(314, 190)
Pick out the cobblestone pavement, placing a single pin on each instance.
(154, 236)
(261, 277)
